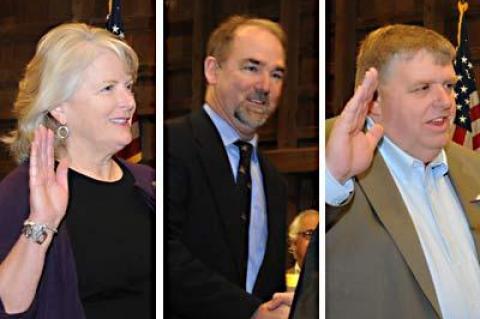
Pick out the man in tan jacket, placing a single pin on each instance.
(406, 241)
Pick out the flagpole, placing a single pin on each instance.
(462, 8)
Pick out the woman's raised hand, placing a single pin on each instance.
(48, 188)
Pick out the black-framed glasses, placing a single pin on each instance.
(307, 234)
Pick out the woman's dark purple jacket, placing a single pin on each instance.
(57, 294)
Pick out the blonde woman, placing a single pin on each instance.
(76, 243)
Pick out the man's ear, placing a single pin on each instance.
(210, 67)
(58, 113)
(375, 108)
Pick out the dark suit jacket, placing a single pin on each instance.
(305, 302)
(203, 219)
(375, 266)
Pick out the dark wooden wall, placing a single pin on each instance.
(22, 22)
(348, 21)
(290, 138)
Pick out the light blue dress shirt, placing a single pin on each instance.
(258, 230)
(336, 194)
(441, 225)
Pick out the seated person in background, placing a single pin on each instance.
(305, 304)
(299, 234)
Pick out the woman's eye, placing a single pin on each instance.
(108, 88)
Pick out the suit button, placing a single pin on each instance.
(243, 217)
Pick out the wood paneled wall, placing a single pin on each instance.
(348, 21)
(290, 137)
(22, 22)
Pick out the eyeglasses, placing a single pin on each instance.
(307, 234)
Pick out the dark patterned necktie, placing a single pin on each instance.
(244, 189)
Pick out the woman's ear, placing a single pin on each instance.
(210, 67)
(58, 113)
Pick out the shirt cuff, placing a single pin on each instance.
(337, 194)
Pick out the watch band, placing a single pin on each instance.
(36, 232)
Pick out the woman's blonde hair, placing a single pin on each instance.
(53, 75)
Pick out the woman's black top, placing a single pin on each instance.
(111, 230)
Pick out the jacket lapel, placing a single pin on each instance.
(220, 179)
(466, 181)
(275, 220)
(387, 203)
(272, 193)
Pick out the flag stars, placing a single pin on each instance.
(466, 93)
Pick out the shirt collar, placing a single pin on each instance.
(402, 163)
(227, 133)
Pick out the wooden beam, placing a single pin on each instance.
(84, 10)
(434, 13)
(287, 120)
(344, 54)
(202, 17)
(294, 160)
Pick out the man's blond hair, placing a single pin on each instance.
(382, 45)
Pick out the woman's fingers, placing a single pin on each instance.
(50, 157)
(62, 174)
(42, 157)
(34, 157)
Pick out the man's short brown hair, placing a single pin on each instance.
(382, 45)
(220, 40)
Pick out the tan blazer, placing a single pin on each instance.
(375, 266)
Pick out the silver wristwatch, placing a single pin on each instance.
(36, 231)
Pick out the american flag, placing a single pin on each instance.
(114, 22)
(133, 151)
(467, 116)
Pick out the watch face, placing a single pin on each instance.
(38, 234)
(35, 232)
